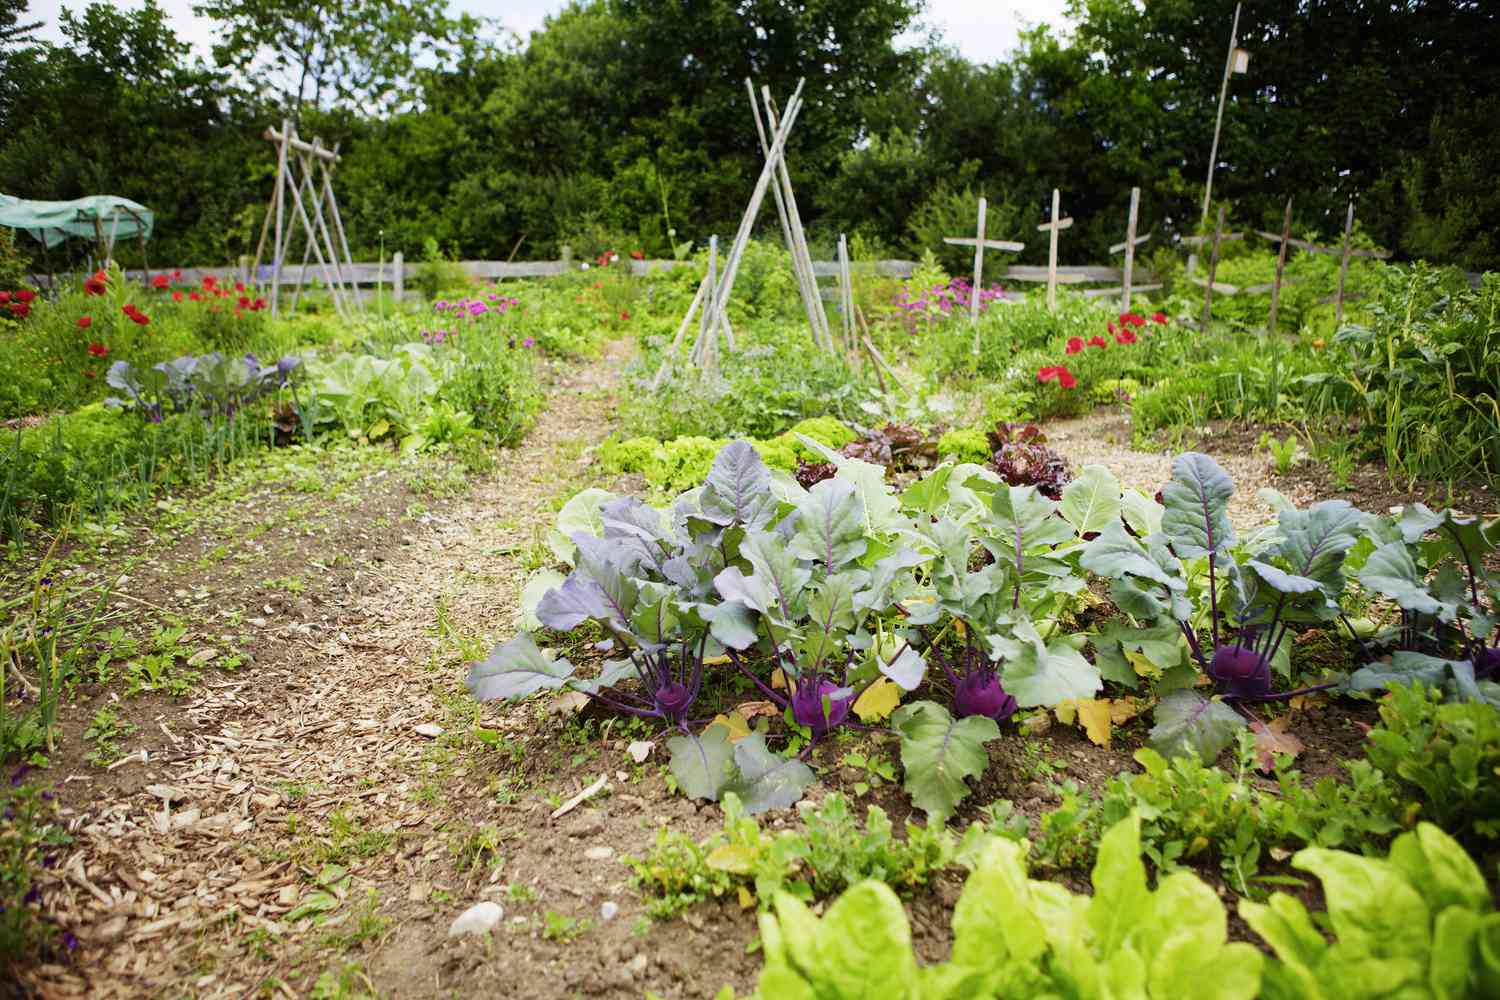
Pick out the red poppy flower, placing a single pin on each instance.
(243, 302)
(24, 296)
(1158, 317)
(176, 296)
(19, 310)
(624, 316)
(129, 309)
(1111, 328)
(209, 281)
(259, 305)
(159, 281)
(637, 255)
(1065, 378)
(1047, 373)
(239, 286)
(1125, 337)
(4, 298)
(84, 322)
(1075, 345)
(94, 285)
(1098, 342)
(98, 350)
(87, 373)
(1134, 319)
(176, 275)
(194, 296)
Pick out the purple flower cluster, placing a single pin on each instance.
(945, 300)
(467, 310)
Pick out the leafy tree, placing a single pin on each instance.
(317, 53)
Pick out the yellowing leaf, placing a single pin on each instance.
(715, 661)
(746, 899)
(737, 859)
(1271, 739)
(569, 703)
(1199, 843)
(778, 680)
(879, 700)
(750, 709)
(1092, 715)
(1122, 710)
(1140, 663)
(737, 724)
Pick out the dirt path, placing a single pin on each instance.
(328, 815)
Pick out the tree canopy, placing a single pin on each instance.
(618, 115)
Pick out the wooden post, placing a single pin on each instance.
(1286, 237)
(708, 327)
(398, 276)
(566, 253)
(1135, 205)
(1213, 267)
(1213, 153)
(980, 246)
(978, 270)
(846, 292)
(280, 200)
(1055, 226)
(1338, 309)
(807, 284)
(799, 237)
(747, 222)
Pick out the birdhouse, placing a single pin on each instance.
(1240, 61)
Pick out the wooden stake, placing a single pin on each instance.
(1135, 205)
(846, 293)
(807, 284)
(280, 202)
(1054, 227)
(978, 271)
(1286, 236)
(747, 222)
(1338, 309)
(799, 237)
(1213, 267)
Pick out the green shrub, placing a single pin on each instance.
(497, 384)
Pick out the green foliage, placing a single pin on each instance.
(30, 838)
(1016, 937)
(830, 852)
(1418, 922)
(966, 444)
(1444, 755)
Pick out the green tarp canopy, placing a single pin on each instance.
(102, 217)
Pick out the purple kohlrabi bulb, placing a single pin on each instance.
(807, 706)
(979, 693)
(1240, 671)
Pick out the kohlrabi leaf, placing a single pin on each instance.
(581, 513)
(1091, 502)
(830, 526)
(738, 488)
(882, 509)
(1045, 674)
(612, 673)
(928, 494)
(516, 669)
(1404, 667)
(907, 668)
(1141, 512)
(1023, 521)
(1417, 520)
(1188, 723)
(765, 780)
(1391, 573)
(701, 765)
(1116, 554)
(883, 578)
(640, 529)
(731, 623)
(574, 602)
(776, 584)
(938, 753)
(536, 588)
(1196, 520)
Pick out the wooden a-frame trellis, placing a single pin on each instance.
(304, 195)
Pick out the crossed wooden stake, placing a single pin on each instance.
(980, 245)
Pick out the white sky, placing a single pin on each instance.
(982, 30)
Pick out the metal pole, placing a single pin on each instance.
(1213, 153)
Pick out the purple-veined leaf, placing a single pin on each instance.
(938, 752)
(701, 765)
(1188, 723)
(1196, 520)
(516, 669)
(738, 488)
(765, 780)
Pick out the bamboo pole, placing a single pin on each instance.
(1338, 314)
(799, 237)
(1213, 267)
(280, 202)
(807, 284)
(1135, 206)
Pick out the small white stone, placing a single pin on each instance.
(480, 919)
(608, 911)
(431, 730)
(600, 853)
(639, 750)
